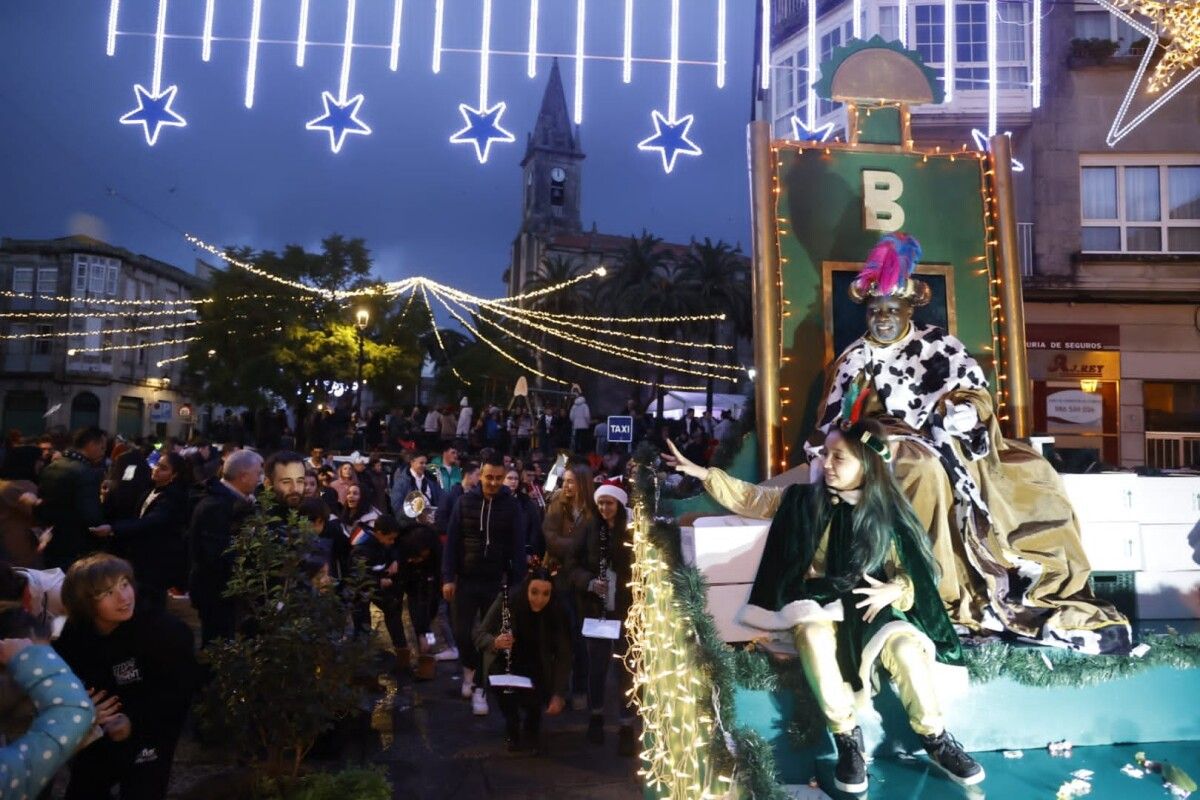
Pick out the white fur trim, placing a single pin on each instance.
(791, 615)
(615, 492)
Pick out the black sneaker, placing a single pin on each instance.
(945, 751)
(626, 742)
(595, 731)
(850, 775)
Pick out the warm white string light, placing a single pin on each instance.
(210, 11)
(56, 298)
(397, 17)
(560, 356)
(580, 22)
(439, 21)
(174, 312)
(627, 51)
(252, 57)
(140, 346)
(531, 57)
(114, 11)
(437, 334)
(163, 362)
(302, 33)
(67, 334)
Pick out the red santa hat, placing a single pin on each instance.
(612, 489)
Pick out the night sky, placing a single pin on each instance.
(426, 207)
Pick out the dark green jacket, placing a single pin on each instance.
(554, 632)
(788, 553)
(70, 490)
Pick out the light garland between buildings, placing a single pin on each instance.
(178, 312)
(108, 301)
(105, 332)
(140, 346)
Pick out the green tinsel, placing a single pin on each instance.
(1025, 665)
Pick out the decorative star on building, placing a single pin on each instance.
(482, 128)
(1179, 22)
(153, 112)
(984, 146)
(802, 133)
(670, 139)
(340, 120)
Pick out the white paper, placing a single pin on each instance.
(510, 681)
(129, 472)
(601, 628)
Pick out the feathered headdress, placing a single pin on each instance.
(854, 403)
(889, 269)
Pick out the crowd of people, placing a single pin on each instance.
(467, 556)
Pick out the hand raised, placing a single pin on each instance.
(877, 596)
(675, 459)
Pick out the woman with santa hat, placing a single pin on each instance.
(602, 576)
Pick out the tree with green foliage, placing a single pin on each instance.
(290, 672)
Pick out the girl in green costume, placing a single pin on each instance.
(847, 569)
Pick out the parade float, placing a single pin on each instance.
(726, 707)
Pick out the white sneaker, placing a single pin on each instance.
(479, 706)
(449, 654)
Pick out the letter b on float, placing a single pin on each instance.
(881, 190)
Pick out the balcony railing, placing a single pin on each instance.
(1172, 450)
(1025, 246)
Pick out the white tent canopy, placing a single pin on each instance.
(676, 404)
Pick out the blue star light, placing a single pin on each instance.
(670, 139)
(339, 120)
(984, 146)
(802, 133)
(153, 112)
(483, 128)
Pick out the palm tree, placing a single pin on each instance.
(661, 292)
(715, 275)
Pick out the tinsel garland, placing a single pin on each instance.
(729, 669)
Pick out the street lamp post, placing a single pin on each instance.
(363, 317)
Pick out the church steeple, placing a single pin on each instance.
(552, 165)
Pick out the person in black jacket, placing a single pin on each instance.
(470, 479)
(226, 504)
(536, 646)
(483, 543)
(153, 540)
(129, 479)
(607, 544)
(420, 553)
(535, 540)
(376, 549)
(140, 670)
(70, 492)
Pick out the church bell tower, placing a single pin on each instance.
(552, 167)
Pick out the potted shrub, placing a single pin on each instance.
(1091, 52)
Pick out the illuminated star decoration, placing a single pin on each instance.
(984, 146)
(482, 128)
(339, 119)
(1181, 22)
(670, 139)
(802, 133)
(153, 112)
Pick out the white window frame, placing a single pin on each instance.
(81, 275)
(47, 280)
(1161, 160)
(43, 346)
(112, 280)
(1116, 27)
(96, 276)
(23, 279)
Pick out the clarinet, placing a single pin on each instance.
(604, 569)
(506, 627)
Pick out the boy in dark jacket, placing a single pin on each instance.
(140, 669)
(70, 492)
(376, 548)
